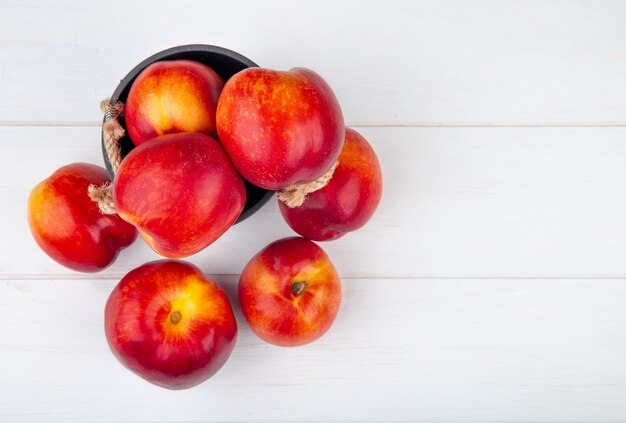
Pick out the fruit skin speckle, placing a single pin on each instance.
(290, 292)
(68, 225)
(172, 96)
(348, 201)
(170, 324)
(280, 127)
(181, 192)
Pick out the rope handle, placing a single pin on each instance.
(292, 196)
(112, 133)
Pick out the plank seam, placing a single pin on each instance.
(72, 277)
(361, 124)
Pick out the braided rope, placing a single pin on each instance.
(112, 133)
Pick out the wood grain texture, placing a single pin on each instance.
(423, 350)
(391, 61)
(490, 202)
(489, 286)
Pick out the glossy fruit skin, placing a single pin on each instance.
(275, 313)
(180, 191)
(170, 97)
(280, 127)
(349, 199)
(145, 337)
(68, 225)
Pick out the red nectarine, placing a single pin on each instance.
(349, 199)
(68, 225)
(290, 292)
(180, 191)
(280, 128)
(172, 96)
(168, 323)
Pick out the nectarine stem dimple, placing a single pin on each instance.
(298, 288)
(175, 317)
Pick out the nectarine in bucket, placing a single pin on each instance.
(225, 63)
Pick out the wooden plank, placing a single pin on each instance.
(436, 350)
(490, 202)
(394, 61)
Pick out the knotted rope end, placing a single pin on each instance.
(295, 195)
(103, 196)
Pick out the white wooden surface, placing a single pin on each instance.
(490, 285)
